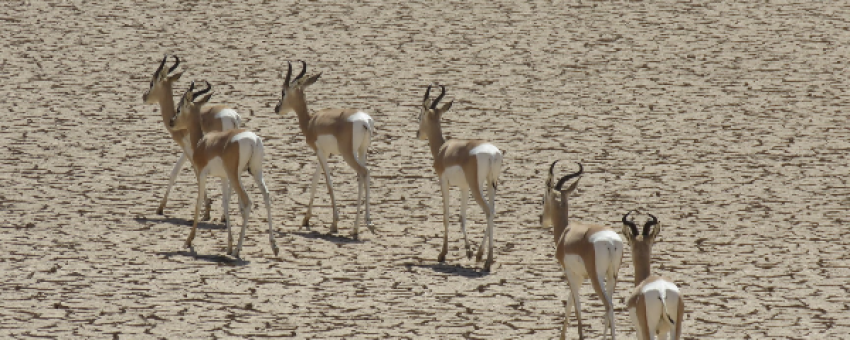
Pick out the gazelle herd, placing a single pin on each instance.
(212, 139)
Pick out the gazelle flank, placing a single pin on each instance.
(656, 306)
(224, 154)
(212, 118)
(583, 251)
(345, 132)
(470, 165)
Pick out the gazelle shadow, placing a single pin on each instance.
(222, 259)
(453, 269)
(180, 221)
(338, 239)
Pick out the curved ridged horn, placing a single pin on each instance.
(288, 76)
(440, 97)
(427, 93)
(202, 92)
(631, 224)
(303, 71)
(567, 177)
(552, 168)
(649, 224)
(161, 65)
(176, 63)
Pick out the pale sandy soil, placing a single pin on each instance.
(726, 121)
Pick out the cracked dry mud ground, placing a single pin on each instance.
(726, 121)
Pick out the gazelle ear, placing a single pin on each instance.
(312, 79)
(175, 77)
(445, 107)
(627, 232)
(656, 229)
(204, 99)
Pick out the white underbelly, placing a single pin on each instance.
(454, 176)
(328, 144)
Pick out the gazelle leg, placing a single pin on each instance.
(574, 282)
(306, 222)
(202, 185)
(173, 177)
(444, 188)
(324, 162)
(569, 309)
(258, 178)
(361, 157)
(479, 198)
(244, 208)
(362, 174)
(225, 204)
(464, 199)
(491, 192)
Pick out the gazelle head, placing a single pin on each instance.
(430, 115)
(555, 207)
(292, 95)
(641, 240)
(189, 104)
(161, 82)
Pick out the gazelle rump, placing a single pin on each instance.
(224, 154)
(656, 306)
(345, 132)
(212, 118)
(466, 164)
(583, 250)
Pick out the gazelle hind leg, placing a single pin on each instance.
(575, 281)
(361, 158)
(225, 204)
(202, 184)
(244, 208)
(171, 179)
(306, 222)
(323, 161)
(362, 175)
(444, 188)
(568, 310)
(257, 173)
(464, 199)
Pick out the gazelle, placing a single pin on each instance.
(656, 306)
(345, 132)
(583, 250)
(224, 154)
(213, 118)
(466, 164)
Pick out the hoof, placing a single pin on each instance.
(441, 258)
(355, 236)
(276, 250)
(371, 226)
(334, 229)
(159, 211)
(469, 254)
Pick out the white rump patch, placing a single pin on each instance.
(605, 235)
(247, 141)
(360, 116)
(485, 148)
(659, 285)
(229, 118)
(328, 144)
(454, 176)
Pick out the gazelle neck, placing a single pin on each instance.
(435, 138)
(300, 108)
(561, 221)
(195, 132)
(166, 103)
(640, 260)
